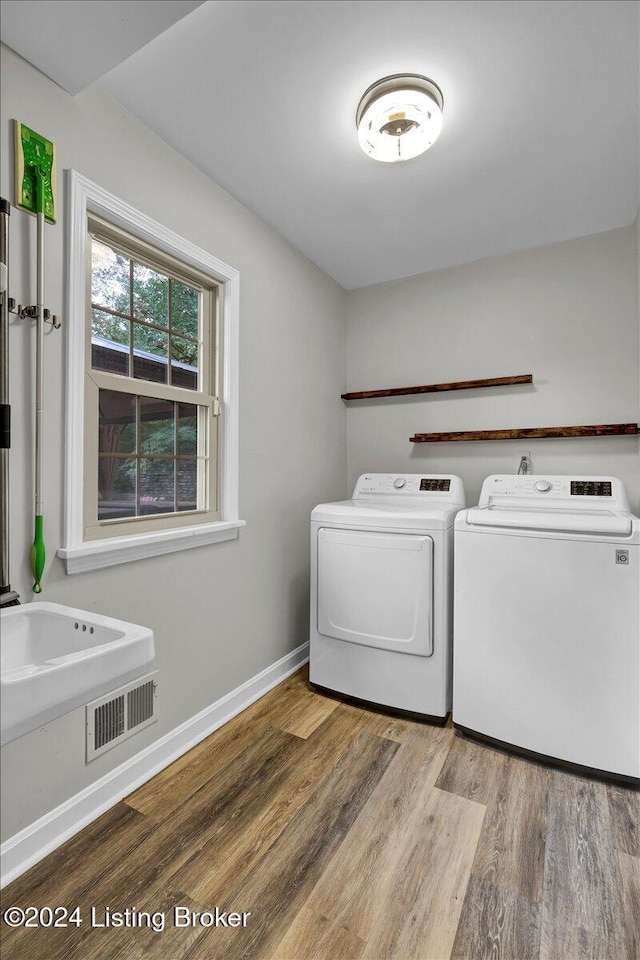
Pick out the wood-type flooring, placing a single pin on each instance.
(345, 834)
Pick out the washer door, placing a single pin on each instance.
(376, 589)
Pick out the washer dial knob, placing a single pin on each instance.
(542, 486)
(399, 483)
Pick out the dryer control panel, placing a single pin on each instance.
(558, 492)
(421, 486)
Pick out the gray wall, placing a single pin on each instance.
(567, 313)
(220, 613)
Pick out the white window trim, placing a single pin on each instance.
(80, 555)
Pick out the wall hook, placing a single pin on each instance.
(31, 313)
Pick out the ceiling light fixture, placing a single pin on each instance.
(399, 117)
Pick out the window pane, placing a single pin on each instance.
(187, 477)
(106, 326)
(157, 426)
(117, 427)
(110, 343)
(185, 304)
(184, 363)
(110, 278)
(187, 429)
(116, 487)
(156, 482)
(150, 358)
(150, 295)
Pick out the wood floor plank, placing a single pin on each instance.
(511, 850)
(97, 848)
(472, 770)
(294, 706)
(207, 813)
(630, 874)
(315, 937)
(624, 806)
(385, 725)
(229, 857)
(359, 881)
(308, 711)
(423, 908)
(582, 911)
(144, 875)
(70, 877)
(146, 943)
(496, 924)
(133, 942)
(284, 878)
(161, 795)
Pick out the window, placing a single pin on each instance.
(152, 382)
(152, 388)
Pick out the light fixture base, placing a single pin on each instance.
(399, 81)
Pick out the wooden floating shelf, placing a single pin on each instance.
(439, 387)
(532, 433)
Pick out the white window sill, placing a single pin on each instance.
(94, 554)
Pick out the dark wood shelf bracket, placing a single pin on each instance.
(532, 433)
(439, 387)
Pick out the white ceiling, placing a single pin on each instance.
(540, 138)
(74, 42)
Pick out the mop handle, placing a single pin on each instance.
(38, 549)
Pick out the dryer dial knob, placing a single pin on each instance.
(399, 483)
(542, 486)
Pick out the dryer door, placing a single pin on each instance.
(376, 589)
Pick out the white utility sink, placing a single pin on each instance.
(54, 658)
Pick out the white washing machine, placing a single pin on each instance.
(381, 592)
(547, 620)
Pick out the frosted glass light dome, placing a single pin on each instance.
(399, 117)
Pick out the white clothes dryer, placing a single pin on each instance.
(381, 592)
(547, 621)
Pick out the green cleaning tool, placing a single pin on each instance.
(35, 192)
(35, 172)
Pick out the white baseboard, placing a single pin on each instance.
(30, 845)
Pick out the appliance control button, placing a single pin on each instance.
(542, 486)
(399, 483)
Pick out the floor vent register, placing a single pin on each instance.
(121, 713)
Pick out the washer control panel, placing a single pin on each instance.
(597, 492)
(409, 484)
